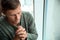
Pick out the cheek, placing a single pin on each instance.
(11, 18)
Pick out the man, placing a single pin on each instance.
(16, 25)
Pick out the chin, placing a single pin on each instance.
(17, 22)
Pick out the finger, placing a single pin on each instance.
(23, 29)
(21, 33)
(21, 36)
(19, 29)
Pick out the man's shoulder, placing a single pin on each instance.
(1, 18)
(26, 14)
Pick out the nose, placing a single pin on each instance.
(17, 17)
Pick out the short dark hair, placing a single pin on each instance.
(0, 7)
(10, 4)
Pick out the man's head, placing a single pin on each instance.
(12, 10)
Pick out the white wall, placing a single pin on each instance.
(53, 20)
(39, 17)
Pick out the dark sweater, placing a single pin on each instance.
(7, 31)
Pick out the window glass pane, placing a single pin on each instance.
(27, 5)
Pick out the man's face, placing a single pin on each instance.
(14, 16)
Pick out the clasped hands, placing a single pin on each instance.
(21, 33)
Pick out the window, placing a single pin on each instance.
(27, 5)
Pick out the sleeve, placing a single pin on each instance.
(2, 35)
(32, 33)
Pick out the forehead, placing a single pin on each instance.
(18, 9)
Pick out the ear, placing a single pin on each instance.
(3, 13)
